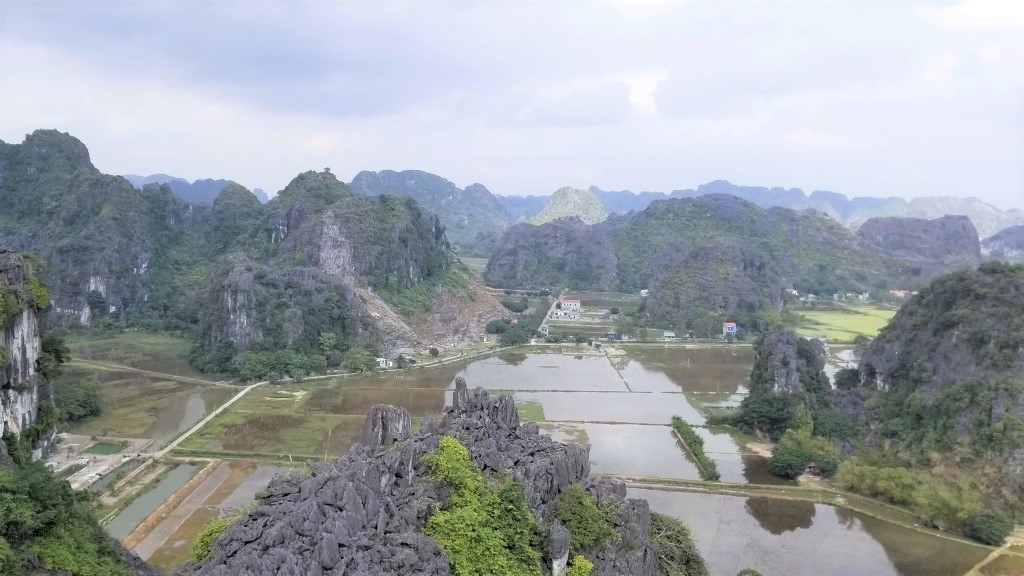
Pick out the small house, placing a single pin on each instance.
(570, 305)
(669, 336)
(728, 328)
(644, 292)
(544, 329)
(385, 363)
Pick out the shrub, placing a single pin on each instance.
(516, 306)
(204, 542)
(614, 310)
(990, 527)
(797, 449)
(580, 566)
(38, 293)
(677, 553)
(589, 525)
(896, 485)
(434, 352)
(707, 467)
(486, 528)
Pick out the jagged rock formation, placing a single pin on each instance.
(571, 203)
(522, 208)
(472, 216)
(363, 514)
(566, 252)
(1008, 244)
(783, 361)
(944, 377)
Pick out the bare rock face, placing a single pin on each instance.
(363, 513)
(385, 425)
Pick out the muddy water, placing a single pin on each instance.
(806, 539)
(637, 450)
(543, 372)
(133, 514)
(655, 408)
(697, 371)
(183, 413)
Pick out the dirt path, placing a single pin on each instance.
(206, 420)
(122, 368)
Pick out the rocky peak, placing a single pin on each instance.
(569, 202)
(364, 513)
(781, 360)
(947, 238)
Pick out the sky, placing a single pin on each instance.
(862, 97)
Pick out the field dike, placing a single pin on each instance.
(143, 529)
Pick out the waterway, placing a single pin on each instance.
(797, 538)
(139, 509)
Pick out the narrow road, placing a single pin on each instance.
(206, 420)
(122, 368)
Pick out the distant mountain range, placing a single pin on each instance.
(1006, 245)
(204, 191)
(475, 217)
(851, 212)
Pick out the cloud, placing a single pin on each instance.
(979, 15)
(524, 96)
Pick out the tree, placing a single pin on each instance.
(990, 527)
(434, 352)
(614, 310)
(54, 353)
(359, 361)
(79, 401)
(328, 342)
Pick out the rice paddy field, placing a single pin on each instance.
(842, 324)
(142, 350)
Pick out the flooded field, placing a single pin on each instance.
(798, 538)
(619, 405)
(144, 505)
(138, 405)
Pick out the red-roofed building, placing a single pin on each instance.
(728, 328)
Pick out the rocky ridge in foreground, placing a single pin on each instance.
(365, 512)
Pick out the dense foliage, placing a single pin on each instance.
(579, 566)
(677, 552)
(707, 467)
(589, 524)
(953, 397)
(77, 401)
(41, 515)
(798, 449)
(990, 527)
(486, 526)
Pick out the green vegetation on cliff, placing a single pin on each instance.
(486, 526)
(42, 516)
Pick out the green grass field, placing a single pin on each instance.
(843, 324)
(144, 350)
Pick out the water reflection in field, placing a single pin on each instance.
(799, 538)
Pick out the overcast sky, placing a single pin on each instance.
(867, 98)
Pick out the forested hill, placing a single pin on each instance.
(1006, 245)
(718, 255)
(237, 275)
(201, 191)
(943, 383)
(472, 216)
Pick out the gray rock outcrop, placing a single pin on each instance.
(363, 513)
